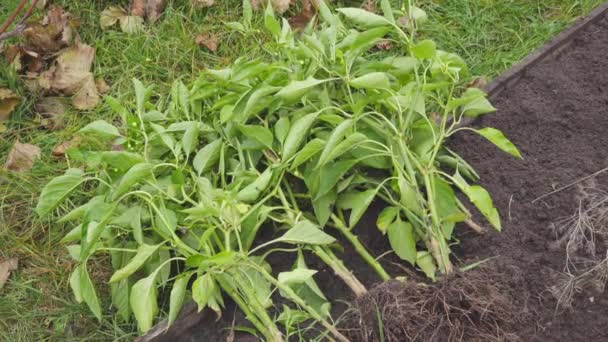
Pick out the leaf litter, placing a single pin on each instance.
(6, 267)
(21, 157)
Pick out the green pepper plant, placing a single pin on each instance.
(178, 188)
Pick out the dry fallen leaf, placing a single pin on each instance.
(384, 44)
(281, 5)
(52, 33)
(202, 3)
(138, 8)
(87, 96)
(299, 21)
(131, 24)
(256, 4)
(110, 16)
(8, 102)
(369, 5)
(102, 86)
(6, 267)
(478, 82)
(21, 157)
(208, 40)
(154, 9)
(52, 110)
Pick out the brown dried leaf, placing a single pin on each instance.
(154, 9)
(6, 267)
(256, 4)
(281, 5)
(479, 82)
(22, 157)
(138, 8)
(52, 33)
(299, 21)
(202, 3)
(87, 96)
(384, 44)
(110, 16)
(60, 149)
(8, 102)
(208, 40)
(369, 5)
(52, 110)
(102, 86)
(70, 71)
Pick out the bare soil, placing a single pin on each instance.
(557, 115)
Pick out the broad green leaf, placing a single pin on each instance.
(387, 10)
(350, 142)
(358, 202)
(202, 289)
(90, 207)
(386, 218)
(181, 96)
(190, 139)
(75, 284)
(425, 49)
(141, 95)
(409, 196)
(176, 298)
(132, 177)
(144, 251)
(247, 13)
(306, 232)
(327, 14)
(131, 218)
(165, 136)
(372, 80)
(120, 299)
(334, 139)
(143, 302)
(323, 206)
(330, 174)
(474, 103)
(425, 261)
(481, 199)
(401, 65)
(55, 192)
(207, 156)
(297, 134)
(252, 191)
(121, 160)
(258, 133)
(270, 22)
(100, 128)
(402, 240)
(497, 138)
(87, 290)
(281, 128)
(296, 276)
(308, 151)
(363, 18)
(297, 89)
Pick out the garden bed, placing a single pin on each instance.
(554, 107)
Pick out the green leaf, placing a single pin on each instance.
(308, 151)
(481, 199)
(306, 232)
(133, 176)
(425, 49)
(190, 139)
(165, 137)
(386, 217)
(143, 302)
(372, 80)
(100, 128)
(120, 299)
(474, 103)
(75, 284)
(252, 191)
(281, 128)
(55, 192)
(402, 240)
(387, 10)
(247, 13)
(350, 142)
(202, 290)
(258, 133)
(296, 89)
(79, 212)
(121, 160)
(363, 18)
(409, 196)
(296, 276)
(330, 174)
(334, 139)
(87, 290)
(323, 206)
(297, 134)
(358, 202)
(176, 298)
(141, 95)
(498, 138)
(425, 261)
(144, 251)
(271, 23)
(207, 157)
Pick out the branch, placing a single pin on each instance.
(20, 27)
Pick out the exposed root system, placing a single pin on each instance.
(465, 307)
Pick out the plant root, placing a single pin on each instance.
(463, 307)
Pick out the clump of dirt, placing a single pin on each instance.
(469, 306)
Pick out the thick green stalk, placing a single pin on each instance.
(438, 245)
(354, 240)
(340, 270)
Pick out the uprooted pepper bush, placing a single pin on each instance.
(176, 190)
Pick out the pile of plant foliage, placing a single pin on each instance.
(177, 189)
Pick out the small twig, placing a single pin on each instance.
(509, 210)
(571, 184)
(473, 225)
(20, 27)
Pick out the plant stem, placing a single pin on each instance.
(340, 270)
(301, 303)
(354, 240)
(437, 242)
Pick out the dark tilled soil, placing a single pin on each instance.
(557, 115)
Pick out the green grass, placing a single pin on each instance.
(36, 304)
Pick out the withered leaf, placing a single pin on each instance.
(138, 8)
(6, 267)
(299, 21)
(8, 102)
(369, 5)
(70, 70)
(281, 5)
(110, 16)
(52, 110)
(384, 44)
(102, 86)
(208, 40)
(154, 9)
(21, 157)
(202, 3)
(131, 24)
(87, 96)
